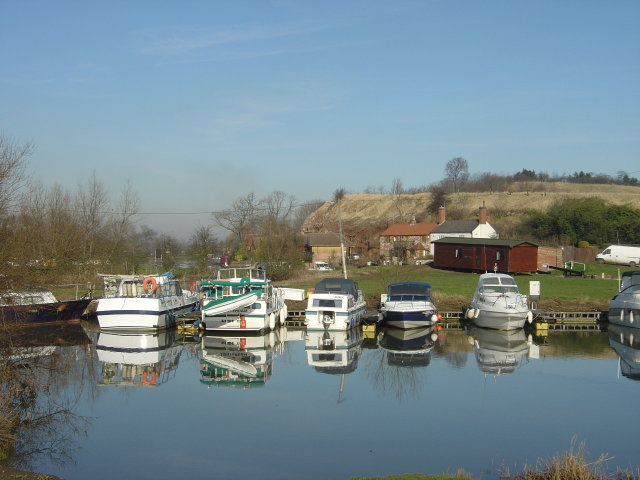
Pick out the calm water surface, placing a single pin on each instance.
(311, 406)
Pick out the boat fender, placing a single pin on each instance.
(149, 378)
(529, 316)
(470, 313)
(434, 337)
(149, 283)
(192, 288)
(434, 318)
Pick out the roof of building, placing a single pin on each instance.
(408, 229)
(456, 226)
(497, 242)
(329, 239)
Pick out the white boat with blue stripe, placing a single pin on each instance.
(144, 303)
(408, 305)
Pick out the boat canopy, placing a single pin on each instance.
(414, 289)
(337, 285)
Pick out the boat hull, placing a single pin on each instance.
(500, 320)
(36, 314)
(260, 318)
(407, 319)
(141, 314)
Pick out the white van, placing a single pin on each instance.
(620, 254)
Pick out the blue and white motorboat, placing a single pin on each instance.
(408, 305)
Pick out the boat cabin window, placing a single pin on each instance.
(499, 285)
(327, 302)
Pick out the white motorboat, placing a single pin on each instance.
(244, 299)
(499, 352)
(239, 361)
(626, 342)
(335, 304)
(333, 352)
(624, 308)
(497, 303)
(144, 303)
(408, 305)
(138, 359)
(408, 348)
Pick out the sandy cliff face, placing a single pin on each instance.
(364, 208)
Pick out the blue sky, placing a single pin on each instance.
(199, 102)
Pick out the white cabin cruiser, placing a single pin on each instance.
(624, 308)
(335, 304)
(244, 299)
(408, 305)
(144, 303)
(497, 303)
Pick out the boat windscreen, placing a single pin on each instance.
(416, 289)
(337, 285)
(630, 278)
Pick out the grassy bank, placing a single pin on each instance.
(453, 290)
(571, 465)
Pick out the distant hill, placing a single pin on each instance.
(506, 208)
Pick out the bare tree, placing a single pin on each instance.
(240, 218)
(12, 170)
(278, 205)
(457, 172)
(123, 218)
(396, 187)
(91, 202)
(202, 244)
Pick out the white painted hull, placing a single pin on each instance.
(142, 314)
(261, 318)
(500, 320)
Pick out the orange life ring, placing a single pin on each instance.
(147, 281)
(149, 378)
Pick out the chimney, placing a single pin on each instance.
(483, 214)
(413, 222)
(442, 215)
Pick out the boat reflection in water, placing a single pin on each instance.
(408, 348)
(333, 351)
(626, 342)
(232, 360)
(499, 352)
(138, 359)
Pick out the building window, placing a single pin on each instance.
(499, 255)
(458, 253)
